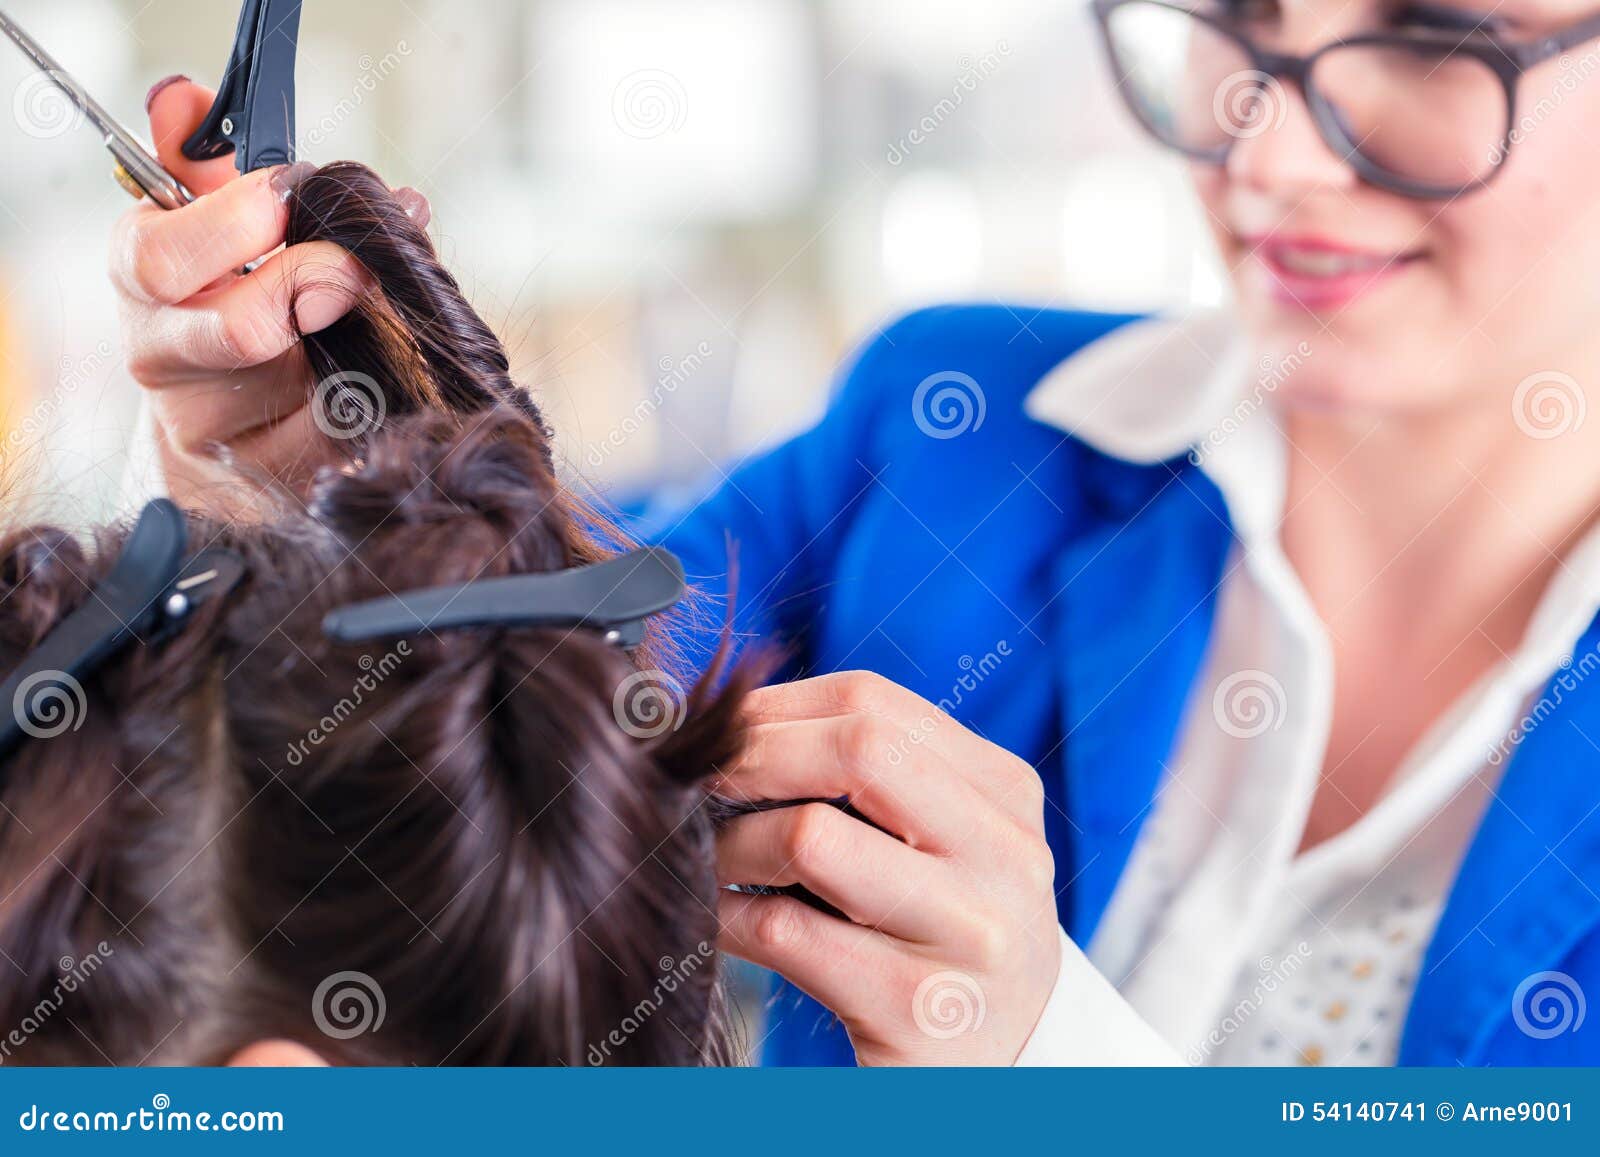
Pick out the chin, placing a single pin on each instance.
(1358, 376)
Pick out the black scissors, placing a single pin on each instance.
(252, 117)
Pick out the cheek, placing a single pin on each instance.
(1514, 275)
(1511, 286)
(1520, 257)
(1210, 186)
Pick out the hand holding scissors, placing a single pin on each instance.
(252, 116)
(136, 170)
(218, 350)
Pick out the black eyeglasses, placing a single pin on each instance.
(1426, 114)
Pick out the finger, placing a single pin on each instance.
(260, 402)
(863, 693)
(247, 322)
(871, 877)
(1006, 780)
(909, 791)
(842, 966)
(415, 205)
(168, 256)
(176, 108)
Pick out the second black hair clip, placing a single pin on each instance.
(617, 597)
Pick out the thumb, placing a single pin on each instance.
(176, 106)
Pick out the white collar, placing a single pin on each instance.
(1150, 389)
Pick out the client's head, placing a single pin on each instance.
(248, 841)
(251, 833)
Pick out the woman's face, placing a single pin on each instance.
(1408, 304)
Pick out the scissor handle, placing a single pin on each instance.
(253, 115)
(141, 175)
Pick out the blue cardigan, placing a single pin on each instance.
(1059, 602)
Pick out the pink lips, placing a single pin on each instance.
(1317, 274)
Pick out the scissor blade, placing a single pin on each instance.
(92, 110)
(131, 155)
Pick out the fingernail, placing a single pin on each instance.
(158, 86)
(414, 203)
(286, 178)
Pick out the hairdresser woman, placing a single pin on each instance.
(1287, 616)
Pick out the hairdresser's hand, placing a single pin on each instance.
(215, 349)
(951, 949)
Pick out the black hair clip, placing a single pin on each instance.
(253, 114)
(151, 590)
(616, 596)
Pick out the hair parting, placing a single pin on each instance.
(451, 848)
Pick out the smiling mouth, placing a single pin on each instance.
(1319, 274)
(1327, 263)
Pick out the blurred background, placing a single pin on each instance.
(681, 214)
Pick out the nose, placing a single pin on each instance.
(1277, 148)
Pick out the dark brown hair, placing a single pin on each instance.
(252, 832)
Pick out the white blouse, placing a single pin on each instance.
(1223, 944)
